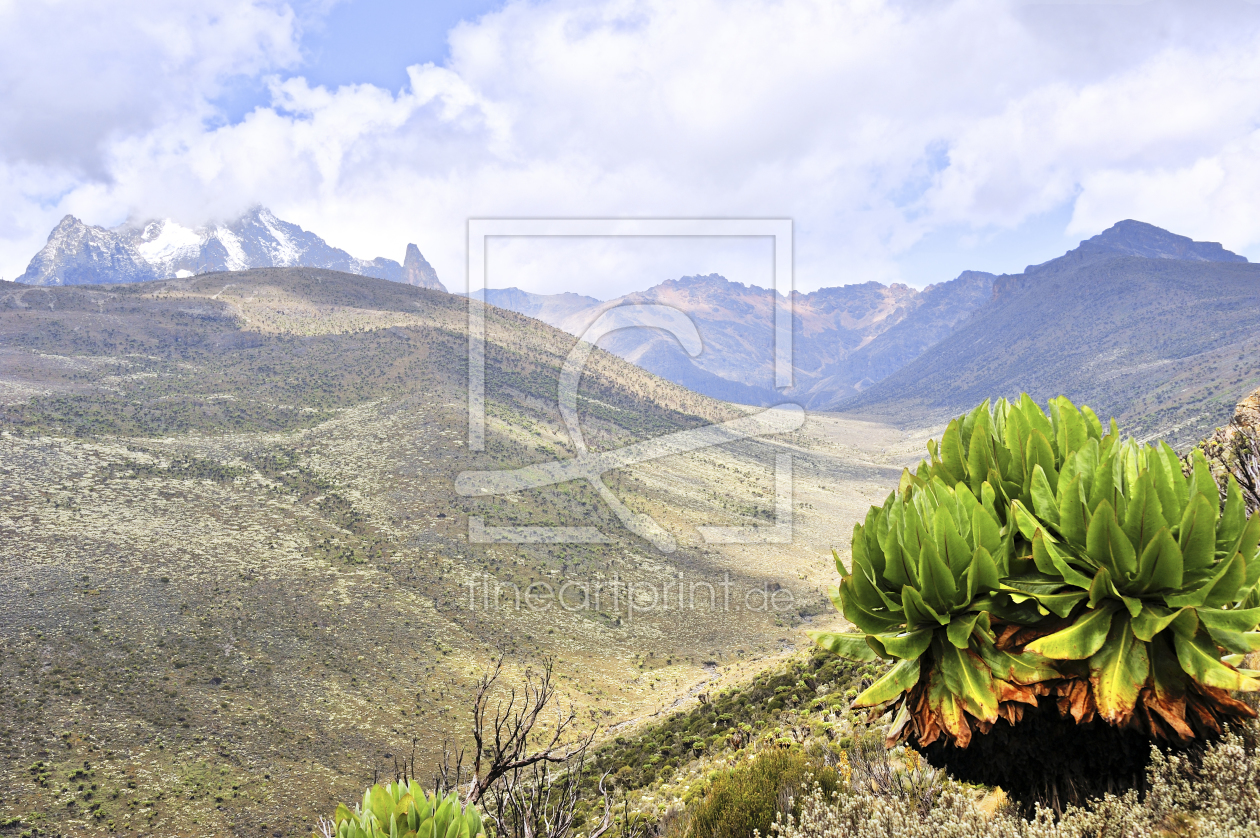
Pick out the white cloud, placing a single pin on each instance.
(80, 79)
(871, 123)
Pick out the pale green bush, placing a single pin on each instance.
(1220, 798)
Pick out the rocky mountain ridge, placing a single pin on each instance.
(81, 254)
(845, 338)
(1141, 324)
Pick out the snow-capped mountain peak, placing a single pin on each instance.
(77, 253)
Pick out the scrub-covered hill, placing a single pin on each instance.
(237, 574)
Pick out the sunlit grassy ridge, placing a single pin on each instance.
(233, 555)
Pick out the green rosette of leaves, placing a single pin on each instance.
(405, 810)
(1035, 555)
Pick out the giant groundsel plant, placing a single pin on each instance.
(405, 810)
(1037, 559)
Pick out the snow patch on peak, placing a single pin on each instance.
(236, 259)
(283, 252)
(77, 253)
(163, 242)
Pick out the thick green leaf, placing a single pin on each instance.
(1051, 560)
(848, 646)
(1160, 567)
(872, 551)
(1035, 583)
(1144, 516)
(938, 586)
(950, 544)
(952, 453)
(986, 532)
(1152, 620)
(1073, 521)
(1037, 419)
(903, 676)
(382, 805)
(1233, 619)
(1040, 453)
(1070, 428)
(871, 619)
(982, 575)
(840, 568)
(1220, 589)
(907, 644)
(1201, 660)
(1118, 671)
(837, 600)
(1045, 504)
(1204, 484)
(1233, 629)
(1095, 427)
(1197, 538)
(1017, 430)
(1103, 587)
(1025, 668)
(967, 676)
(960, 629)
(980, 452)
(897, 570)
(1108, 546)
(1061, 604)
(1247, 545)
(919, 613)
(1025, 611)
(1105, 485)
(1080, 640)
(1233, 518)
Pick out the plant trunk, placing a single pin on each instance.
(1049, 759)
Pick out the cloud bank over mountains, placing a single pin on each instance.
(872, 124)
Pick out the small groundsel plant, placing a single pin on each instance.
(1037, 556)
(404, 810)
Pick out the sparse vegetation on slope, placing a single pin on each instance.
(237, 572)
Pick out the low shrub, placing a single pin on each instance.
(1219, 798)
(747, 798)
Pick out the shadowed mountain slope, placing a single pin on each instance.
(1166, 343)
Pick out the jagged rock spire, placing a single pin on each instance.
(418, 271)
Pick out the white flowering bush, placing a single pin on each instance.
(1219, 797)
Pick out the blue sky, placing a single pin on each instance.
(908, 141)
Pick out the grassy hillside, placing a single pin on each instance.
(236, 570)
(1166, 346)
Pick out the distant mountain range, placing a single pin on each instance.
(1156, 329)
(844, 338)
(79, 254)
(1153, 327)
(1150, 326)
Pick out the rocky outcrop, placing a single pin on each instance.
(80, 254)
(1235, 450)
(417, 271)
